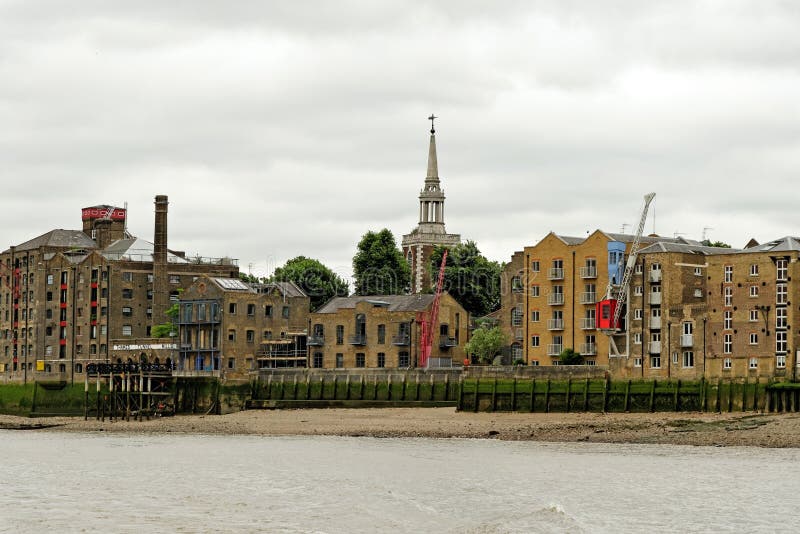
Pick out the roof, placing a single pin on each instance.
(287, 289)
(629, 238)
(662, 246)
(136, 249)
(59, 239)
(784, 244)
(391, 302)
(232, 284)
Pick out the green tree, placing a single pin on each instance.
(318, 281)
(379, 267)
(570, 357)
(469, 277)
(168, 328)
(709, 243)
(249, 278)
(485, 343)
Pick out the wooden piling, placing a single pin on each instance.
(533, 394)
(653, 396)
(514, 395)
(547, 396)
(626, 405)
(493, 406)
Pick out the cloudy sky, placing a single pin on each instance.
(286, 128)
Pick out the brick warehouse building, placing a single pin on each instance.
(228, 327)
(69, 296)
(383, 331)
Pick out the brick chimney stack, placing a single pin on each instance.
(160, 274)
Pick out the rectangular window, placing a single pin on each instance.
(637, 290)
(781, 317)
(232, 308)
(381, 334)
(637, 338)
(339, 360)
(753, 338)
(251, 336)
(127, 330)
(535, 266)
(637, 269)
(754, 269)
(339, 334)
(637, 361)
(231, 363)
(267, 334)
(637, 314)
(127, 276)
(753, 291)
(535, 291)
(782, 267)
(753, 363)
(516, 316)
(727, 363)
(688, 358)
(381, 359)
(727, 344)
(698, 271)
(127, 293)
(753, 316)
(780, 341)
(50, 280)
(781, 294)
(728, 292)
(231, 335)
(403, 360)
(361, 360)
(317, 362)
(728, 274)
(251, 310)
(535, 316)
(655, 362)
(727, 320)
(534, 341)
(516, 284)
(267, 311)
(174, 279)
(127, 311)
(285, 312)
(780, 361)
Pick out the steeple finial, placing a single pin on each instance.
(432, 118)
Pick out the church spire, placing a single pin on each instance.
(431, 198)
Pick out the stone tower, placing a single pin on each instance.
(430, 232)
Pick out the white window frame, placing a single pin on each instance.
(781, 317)
(535, 268)
(753, 364)
(637, 361)
(781, 293)
(727, 320)
(728, 274)
(727, 343)
(753, 316)
(753, 291)
(535, 317)
(637, 314)
(688, 359)
(754, 269)
(637, 338)
(728, 295)
(780, 361)
(727, 363)
(753, 338)
(535, 342)
(535, 291)
(637, 290)
(698, 271)
(782, 269)
(781, 341)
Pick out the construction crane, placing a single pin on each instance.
(427, 321)
(611, 306)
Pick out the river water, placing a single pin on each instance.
(51, 482)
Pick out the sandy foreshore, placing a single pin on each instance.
(751, 429)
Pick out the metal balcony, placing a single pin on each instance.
(401, 340)
(687, 340)
(655, 323)
(588, 272)
(554, 349)
(654, 347)
(446, 342)
(588, 297)
(655, 298)
(555, 299)
(655, 276)
(555, 324)
(358, 339)
(315, 340)
(555, 273)
(588, 323)
(588, 349)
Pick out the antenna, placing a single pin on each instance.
(624, 225)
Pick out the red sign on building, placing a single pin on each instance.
(118, 214)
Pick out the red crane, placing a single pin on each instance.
(427, 321)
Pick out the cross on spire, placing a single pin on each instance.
(432, 118)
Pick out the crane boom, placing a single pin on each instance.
(622, 292)
(428, 321)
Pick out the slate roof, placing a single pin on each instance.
(784, 244)
(136, 249)
(413, 303)
(287, 289)
(662, 246)
(59, 238)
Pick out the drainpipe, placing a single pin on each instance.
(669, 355)
(704, 345)
(573, 300)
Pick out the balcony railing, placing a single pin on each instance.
(555, 298)
(588, 323)
(588, 297)
(358, 339)
(446, 342)
(401, 340)
(554, 349)
(655, 276)
(654, 347)
(588, 272)
(687, 340)
(588, 349)
(555, 273)
(555, 324)
(655, 298)
(655, 323)
(315, 340)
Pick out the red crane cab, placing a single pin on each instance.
(605, 311)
